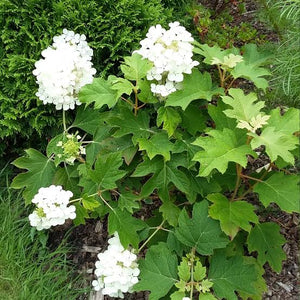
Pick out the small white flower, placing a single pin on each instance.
(116, 269)
(51, 207)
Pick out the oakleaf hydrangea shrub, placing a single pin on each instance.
(193, 152)
(27, 29)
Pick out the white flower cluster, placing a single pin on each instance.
(64, 70)
(51, 207)
(171, 53)
(116, 270)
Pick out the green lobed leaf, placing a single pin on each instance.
(89, 202)
(163, 174)
(207, 296)
(194, 117)
(106, 171)
(68, 178)
(158, 144)
(158, 271)
(251, 66)
(169, 211)
(231, 274)
(135, 67)
(129, 201)
(145, 95)
(100, 92)
(200, 231)
(280, 189)
(213, 52)
(184, 270)
(88, 119)
(128, 123)
(220, 148)
(169, 117)
(195, 86)
(276, 143)
(287, 123)
(259, 285)
(266, 239)
(220, 119)
(40, 173)
(127, 227)
(177, 295)
(244, 107)
(199, 271)
(81, 214)
(232, 214)
(121, 85)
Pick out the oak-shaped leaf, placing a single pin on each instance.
(220, 148)
(287, 123)
(200, 231)
(40, 173)
(280, 189)
(164, 173)
(88, 119)
(243, 107)
(278, 144)
(106, 171)
(251, 67)
(266, 239)
(126, 225)
(221, 121)
(232, 215)
(231, 274)
(210, 53)
(99, 92)
(127, 123)
(259, 285)
(158, 271)
(169, 117)
(135, 67)
(158, 144)
(195, 86)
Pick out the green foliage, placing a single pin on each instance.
(195, 86)
(40, 173)
(27, 27)
(222, 27)
(174, 153)
(220, 148)
(159, 271)
(200, 231)
(232, 215)
(267, 241)
(231, 274)
(273, 191)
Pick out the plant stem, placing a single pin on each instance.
(238, 181)
(64, 120)
(192, 271)
(136, 102)
(159, 227)
(105, 202)
(249, 177)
